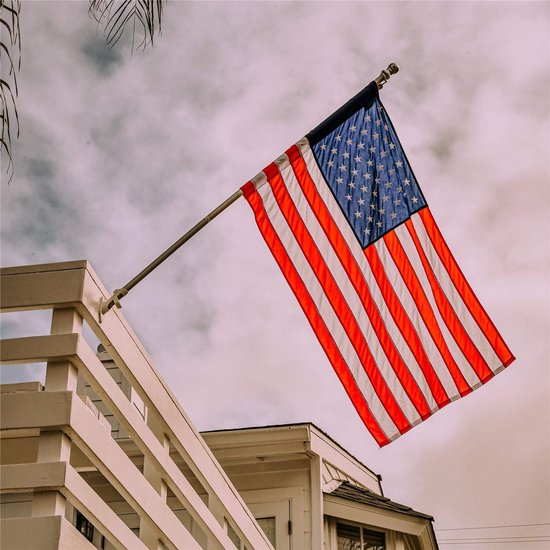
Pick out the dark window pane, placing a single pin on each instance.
(348, 537)
(84, 526)
(373, 540)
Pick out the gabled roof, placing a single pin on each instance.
(351, 492)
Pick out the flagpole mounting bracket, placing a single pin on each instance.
(106, 304)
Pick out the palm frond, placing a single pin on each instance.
(10, 50)
(143, 16)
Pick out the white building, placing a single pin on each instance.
(103, 456)
(307, 492)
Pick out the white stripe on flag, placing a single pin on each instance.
(350, 295)
(460, 359)
(358, 255)
(407, 301)
(469, 323)
(326, 311)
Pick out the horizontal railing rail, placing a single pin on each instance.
(61, 476)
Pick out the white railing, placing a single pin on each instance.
(62, 421)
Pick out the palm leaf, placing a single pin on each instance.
(143, 16)
(10, 49)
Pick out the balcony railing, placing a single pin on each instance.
(171, 507)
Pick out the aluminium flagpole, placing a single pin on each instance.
(119, 293)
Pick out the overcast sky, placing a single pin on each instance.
(119, 155)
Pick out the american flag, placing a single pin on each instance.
(348, 225)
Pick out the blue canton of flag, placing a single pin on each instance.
(366, 168)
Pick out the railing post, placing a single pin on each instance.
(63, 375)
(52, 447)
(55, 446)
(147, 534)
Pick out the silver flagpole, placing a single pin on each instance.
(119, 293)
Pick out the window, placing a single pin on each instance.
(348, 537)
(84, 527)
(267, 524)
(268, 527)
(373, 540)
(355, 537)
(272, 512)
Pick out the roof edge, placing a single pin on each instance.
(308, 425)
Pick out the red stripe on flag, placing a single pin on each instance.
(446, 310)
(461, 284)
(357, 279)
(334, 296)
(405, 325)
(424, 308)
(310, 309)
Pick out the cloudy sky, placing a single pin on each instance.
(120, 154)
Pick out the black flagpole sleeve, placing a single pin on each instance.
(364, 98)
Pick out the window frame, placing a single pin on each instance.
(363, 527)
(331, 532)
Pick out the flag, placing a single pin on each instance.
(349, 227)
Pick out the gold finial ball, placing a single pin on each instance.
(393, 68)
(385, 75)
